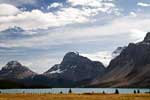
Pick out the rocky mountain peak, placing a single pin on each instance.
(147, 38)
(71, 55)
(71, 58)
(12, 64)
(76, 68)
(15, 70)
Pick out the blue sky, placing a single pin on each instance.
(39, 32)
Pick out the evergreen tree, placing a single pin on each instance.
(103, 92)
(61, 92)
(70, 91)
(134, 91)
(116, 91)
(138, 91)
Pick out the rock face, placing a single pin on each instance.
(130, 69)
(76, 68)
(117, 51)
(13, 70)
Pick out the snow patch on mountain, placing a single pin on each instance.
(56, 71)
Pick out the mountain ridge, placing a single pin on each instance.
(129, 68)
(82, 69)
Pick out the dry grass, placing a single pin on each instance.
(74, 97)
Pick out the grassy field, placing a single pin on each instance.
(74, 97)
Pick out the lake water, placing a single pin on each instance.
(75, 90)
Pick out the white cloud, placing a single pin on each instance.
(143, 4)
(128, 26)
(97, 6)
(7, 10)
(37, 19)
(40, 64)
(133, 14)
(104, 56)
(55, 5)
(91, 3)
(19, 2)
(138, 34)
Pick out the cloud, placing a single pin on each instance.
(138, 34)
(55, 5)
(38, 66)
(18, 2)
(7, 10)
(91, 3)
(36, 19)
(134, 28)
(143, 4)
(104, 57)
(121, 26)
(105, 6)
(133, 14)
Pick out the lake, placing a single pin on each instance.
(75, 90)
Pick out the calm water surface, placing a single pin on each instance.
(75, 90)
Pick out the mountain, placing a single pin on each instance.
(129, 69)
(13, 70)
(12, 33)
(76, 68)
(13, 30)
(15, 33)
(12, 75)
(74, 71)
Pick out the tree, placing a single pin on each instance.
(61, 92)
(138, 91)
(70, 91)
(134, 91)
(103, 92)
(116, 91)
